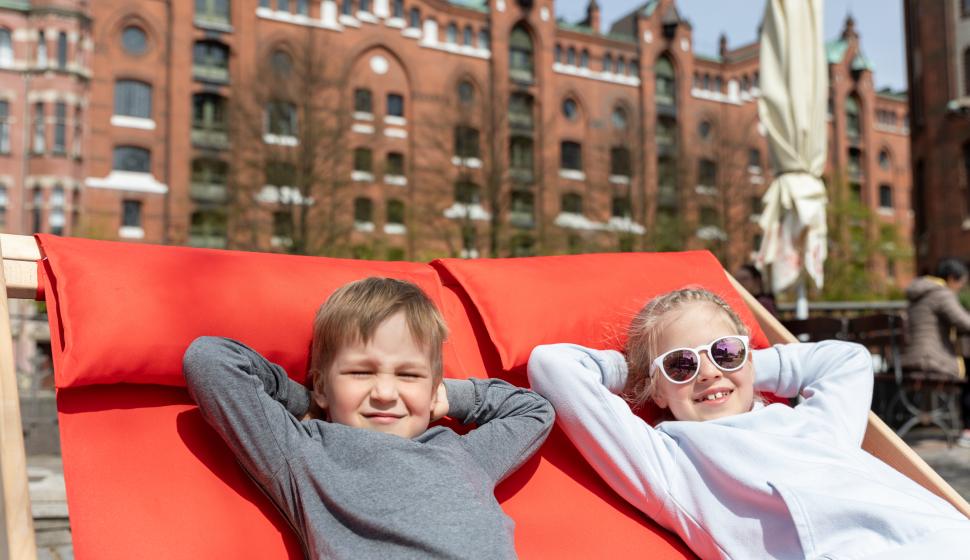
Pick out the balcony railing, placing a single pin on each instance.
(210, 137)
(208, 192)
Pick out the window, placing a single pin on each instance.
(466, 92)
(571, 156)
(467, 193)
(363, 210)
(214, 11)
(347, 8)
(283, 228)
(398, 9)
(40, 140)
(41, 49)
(302, 8)
(571, 56)
(134, 41)
(60, 128)
(208, 112)
(520, 55)
(283, 5)
(280, 174)
(468, 37)
(4, 127)
(37, 211)
(3, 205)
(55, 218)
(704, 129)
(666, 84)
(520, 111)
(133, 99)
(520, 157)
(395, 105)
(363, 102)
(281, 62)
(855, 162)
(395, 164)
(395, 212)
(885, 161)
(706, 173)
(584, 59)
(853, 126)
(131, 213)
(522, 245)
(572, 203)
(78, 137)
(466, 142)
(414, 18)
(483, 38)
(131, 158)
(607, 62)
(522, 209)
(6, 49)
(569, 109)
(620, 207)
(620, 161)
(756, 205)
(708, 216)
(719, 84)
(62, 50)
(451, 34)
(754, 158)
(621, 66)
(666, 182)
(208, 228)
(207, 171)
(363, 160)
(886, 197)
(666, 131)
(210, 59)
(619, 118)
(558, 53)
(281, 118)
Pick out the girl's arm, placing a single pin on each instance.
(834, 377)
(624, 450)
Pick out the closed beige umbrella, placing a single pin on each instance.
(794, 93)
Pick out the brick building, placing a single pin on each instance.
(415, 129)
(938, 65)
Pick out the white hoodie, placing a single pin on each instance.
(775, 482)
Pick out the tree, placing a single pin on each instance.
(290, 137)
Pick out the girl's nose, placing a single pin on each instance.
(707, 368)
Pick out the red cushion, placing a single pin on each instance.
(125, 313)
(585, 299)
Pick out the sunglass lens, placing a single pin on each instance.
(728, 352)
(680, 365)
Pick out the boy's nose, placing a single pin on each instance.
(384, 388)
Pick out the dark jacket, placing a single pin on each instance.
(934, 312)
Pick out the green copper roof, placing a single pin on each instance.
(862, 62)
(835, 50)
(650, 7)
(477, 5)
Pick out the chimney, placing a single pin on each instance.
(722, 45)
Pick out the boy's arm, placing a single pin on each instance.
(834, 377)
(631, 456)
(512, 422)
(249, 401)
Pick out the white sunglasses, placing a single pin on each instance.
(681, 365)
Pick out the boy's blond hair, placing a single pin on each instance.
(641, 345)
(355, 311)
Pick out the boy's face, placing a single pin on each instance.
(691, 326)
(384, 385)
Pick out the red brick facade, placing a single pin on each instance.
(489, 128)
(938, 61)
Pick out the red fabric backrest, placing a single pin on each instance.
(145, 473)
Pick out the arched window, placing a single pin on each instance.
(62, 50)
(134, 40)
(619, 118)
(414, 18)
(570, 109)
(131, 158)
(468, 37)
(281, 62)
(466, 91)
(6, 49)
(133, 99)
(572, 203)
(621, 66)
(483, 39)
(885, 160)
(363, 210)
(558, 52)
(584, 59)
(666, 82)
(571, 56)
(607, 62)
(451, 35)
(853, 123)
(395, 212)
(398, 9)
(520, 55)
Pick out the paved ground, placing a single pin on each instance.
(54, 533)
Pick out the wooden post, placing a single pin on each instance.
(880, 440)
(16, 525)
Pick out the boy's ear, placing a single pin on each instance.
(319, 397)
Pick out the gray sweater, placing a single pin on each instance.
(353, 493)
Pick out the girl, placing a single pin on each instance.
(733, 477)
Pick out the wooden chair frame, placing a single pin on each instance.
(18, 279)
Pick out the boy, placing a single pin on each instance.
(353, 465)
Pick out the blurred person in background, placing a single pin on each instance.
(750, 277)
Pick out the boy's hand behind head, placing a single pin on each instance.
(441, 403)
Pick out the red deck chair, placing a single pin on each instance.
(146, 476)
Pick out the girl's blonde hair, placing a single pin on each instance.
(641, 345)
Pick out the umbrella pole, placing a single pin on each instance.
(801, 303)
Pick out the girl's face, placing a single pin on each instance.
(691, 325)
